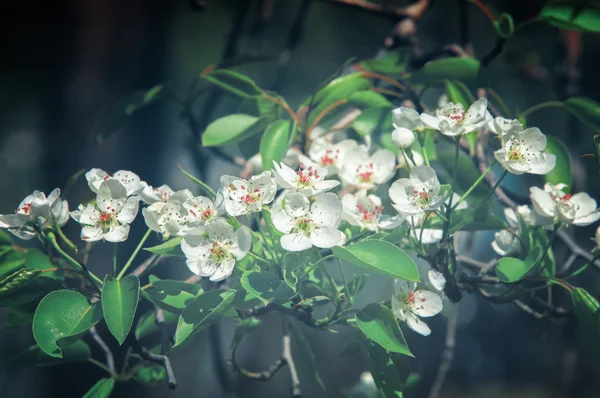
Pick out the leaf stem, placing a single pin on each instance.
(315, 265)
(134, 254)
(475, 184)
(204, 187)
(542, 105)
(264, 238)
(346, 286)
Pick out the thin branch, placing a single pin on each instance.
(568, 264)
(264, 375)
(414, 11)
(163, 360)
(300, 314)
(529, 310)
(159, 319)
(289, 359)
(447, 357)
(110, 359)
(148, 264)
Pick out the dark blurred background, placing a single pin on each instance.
(64, 64)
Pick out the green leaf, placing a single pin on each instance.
(168, 248)
(274, 143)
(373, 120)
(391, 63)
(119, 302)
(292, 265)
(76, 352)
(266, 286)
(173, 296)
(19, 315)
(572, 15)
(150, 374)
(101, 389)
(244, 300)
(389, 377)
(457, 68)
(563, 171)
(505, 25)
(61, 319)
(340, 88)
(379, 324)
(5, 238)
(304, 356)
(368, 99)
(511, 270)
(17, 280)
(234, 82)
(586, 110)
(232, 129)
(456, 94)
(381, 257)
(202, 312)
(147, 323)
(38, 260)
(242, 328)
(587, 311)
(118, 113)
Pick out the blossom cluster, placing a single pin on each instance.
(310, 195)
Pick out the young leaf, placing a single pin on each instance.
(586, 110)
(234, 82)
(173, 296)
(274, 143)
(505, 25)
(340, 88)
(511, 270)
(168, 248)
(381, 257)
(379, 324)
(17, 280)
(572, 15)
(61, 319)
(266, 286)
(382, 365)
(101, 389)
(457, 68)
(368, 99)
(150, 374)
(202, 312)
(231, 129)
(119, 302)
(563, 171)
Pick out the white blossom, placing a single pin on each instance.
(407, 118)
(522, 152)
(500, 126)
(410, 303)
(129, 180)
(201, 212)
(433, 280)
(305, 224)
(452, 120)
(505, 243)
(109, 217)
(164, 194)
(413, 196)
(403, 138)
(365, 211)
(366, 171)
(328, 155)
(552, 202)
(36, 209)
(243, 197)
(429, 236)
(308, 181)
(215, 256)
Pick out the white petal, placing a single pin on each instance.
(282, 221)
(117, 233)
(223, 271)
(151, 219)
(91, 234)
(542, 202)
(112, 189)
(295, 242)
(130, 181)
(326, 210)
(284, 176)
(220, 231)
(430, 121)
(417, 325)
(128, 211)
(436, 279)
(296, 205)
(325, 237)
(243, 244)
(53, 196)
(427, 304)
(13, 220)
(326, 185)
(95, 177)
(402, 287)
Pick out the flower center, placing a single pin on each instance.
(330, 157)
(219, 252)
(518, 150)
(305, 226)
(251, 197)
(25, 209)
(422, 198)
(456, 115)
(306, 176)
(369, 217)
(365, 173)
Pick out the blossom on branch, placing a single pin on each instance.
(522, 152)
(452, 120)
(552, 202)
(309, 180)
(413, 196)
(365, 211)
(410, 303)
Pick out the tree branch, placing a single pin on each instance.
(447, 357)
(289, 359)
(110, 359)
(162, 359)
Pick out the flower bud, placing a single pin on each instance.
(598, 237)
(403, 138)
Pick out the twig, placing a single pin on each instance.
(447, 357)
(494, 52)
(569, 263)
(300, 314)
(161, 359)
(529, 310)
(148, 264)
(264, 375)
(414, 11)
(110, 359)
(159, 319)
(289, 359)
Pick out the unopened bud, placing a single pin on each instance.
(403, 138)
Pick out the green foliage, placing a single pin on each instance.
(587, 310)
(391, 63)
(274, 143)
(381, 257)
(581, 15)
(17, 280)
(119, 302)
(466, 173)
(510, 270)
(150, 374)
(563, 171)
(172, 247)
(242, 328)
(233, 82)
(389, 370)
(118, 113)
(505, 25)
(379, 324)
(586, 110)
(266, 286)
(202, 312)
(232, 129)
(373, 120)
(477, 219)
(457, 68)
(61, 319)
(101, 389)
(172, 296)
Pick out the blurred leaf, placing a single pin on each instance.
(202, 312)
(274, 143)
(19, 315)
(511, 270)
(505, 25)
(5, 238)
(147, 323)
(119, 301)
(170, 247)
(62, 318)
(232, 129)
(340, 88)
(242, 328)
(373, 120)
(266, 286)
(456, 94)
(102, 389)
(572, 15)
(304, 356)
(17, 280)
(391, 63)
(76, 352)
(118, 114)
(457, 68)
(150, 374)
(173, 296)
(386, 374)
(379, 324)
(244, 300)
(233, 82)
(587, 310)
(586, 110)
(562, 172)
(368, 99)
(381, 257)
